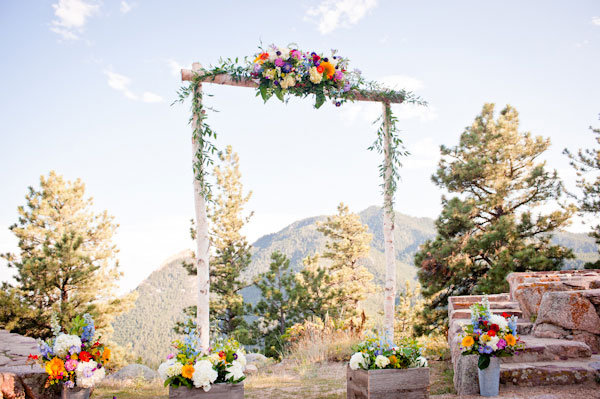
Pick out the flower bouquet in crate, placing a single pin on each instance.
(191, 373)
(379, 368)
(75, 360)
(490, 336)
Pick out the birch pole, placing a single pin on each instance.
(202, 238)
(388, 232)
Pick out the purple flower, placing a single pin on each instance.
(501, 344)
(286, 68)
(235, 356)
(377, 352)
(279, 62)
(317, 62)
(338, 75)
(257, 68)
(347, 86)
(337, 103)
(485, 349)
(170, 356)
(69, 384)
(296, 54)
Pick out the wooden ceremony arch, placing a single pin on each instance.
(202, 238)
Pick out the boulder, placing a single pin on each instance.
(545, 330)
(529, 295)
(24, 382)
(466, 379)
(251, 369)
(257, 359)
(134, 371)
(571, 310)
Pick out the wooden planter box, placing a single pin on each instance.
(388, 383)
(217, 391)
(75, 393)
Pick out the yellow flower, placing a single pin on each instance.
(510, 339)
(55, 368)
(485, 338)
(106, 355)
(329, 69)
(187, 371)
(468, 341)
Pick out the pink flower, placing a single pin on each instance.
(170, 356)
(279, 62)
(338, 75)
(296, 54)
(71, 364)
(501, 344)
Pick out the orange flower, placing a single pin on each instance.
(55, 368)
(187, 371)
(510, 339)
(328, 68)
(393, 360)
(261, 58)
(467, 341)
(106, 355)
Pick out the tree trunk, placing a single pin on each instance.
(202, 248)
(388, 233)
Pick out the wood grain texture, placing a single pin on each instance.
(388, 384)
(217, 391)
(225, 79)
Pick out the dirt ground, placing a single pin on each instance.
(328, 381)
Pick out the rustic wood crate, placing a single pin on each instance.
(388, 383)
(217, 391)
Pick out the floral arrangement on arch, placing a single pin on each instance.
(490, 335)
(280, 70)
(225, 362)
(74, 359)
(374, 353)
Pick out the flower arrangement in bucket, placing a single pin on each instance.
(387, 368)
(75, 360)
(195, 372)
(490, 336)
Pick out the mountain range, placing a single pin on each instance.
(169, 289)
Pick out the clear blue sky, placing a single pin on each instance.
(87, 87)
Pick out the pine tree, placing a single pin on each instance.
(277, 309)
(314, 292)
(67, 262)
(232, 253)
(348, 243)
(587, 162)
(489, 228)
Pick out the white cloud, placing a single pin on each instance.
(331, 14)
(121, 83)
(125, 7)
(71, 17)
(402, 82)
(149, 97)
(175, 67)
(596, 20)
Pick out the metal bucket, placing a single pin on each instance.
(489, 378)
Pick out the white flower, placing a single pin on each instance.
(285, 53)
(162, 369)
(214, 358)
(493, 342)
(381, 361)
(421, 362)
(272, 55)
(315, 76)
(241, 358)
(288, 81)
(358, 360)
(204, 374)
(65, 342)
(500, 321)
(88, 374)
(235, 371)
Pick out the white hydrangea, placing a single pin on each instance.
(421, 362)
(358, 360)
(235, 371)
(214, 358)
(381, 361)
(65, 342)
(162, 369)
(493, 343)
(241, 358)
(88, 374)
(500, 321)
(204, 375)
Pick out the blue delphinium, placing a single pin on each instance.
(89, 329)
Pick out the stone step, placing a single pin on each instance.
(549, 349)
(493, 305)
(479, 298)
(466, 313)
(562, 372)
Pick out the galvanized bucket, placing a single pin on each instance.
(489, 378)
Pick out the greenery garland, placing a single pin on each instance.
(273, 80)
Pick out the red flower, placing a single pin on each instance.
(505, 315)
(320, 69)
(495, 327)
(32, 357)
(485, 323)
(222, 355)
(316, 58)
(85, 356)
(264, 56)
(491, 333)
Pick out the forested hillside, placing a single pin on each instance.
(169, 289)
